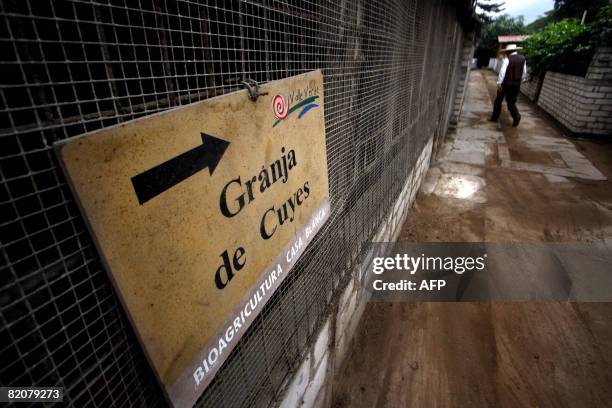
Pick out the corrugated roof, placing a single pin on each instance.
(502, 39)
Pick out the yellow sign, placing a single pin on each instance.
(199, 214)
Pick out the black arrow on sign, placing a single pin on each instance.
(160, 178)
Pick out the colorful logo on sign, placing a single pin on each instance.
(281, 109)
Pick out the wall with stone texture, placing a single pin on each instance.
(581, 105)
(601, 64)
(530, 88)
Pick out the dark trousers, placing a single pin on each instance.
(510, 92)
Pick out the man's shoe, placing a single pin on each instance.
(516, 121)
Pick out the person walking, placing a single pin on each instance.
(513, 71)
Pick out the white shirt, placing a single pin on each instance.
(502, 71)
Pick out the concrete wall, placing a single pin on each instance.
(312, 385)
(601, 64)
(583, 106)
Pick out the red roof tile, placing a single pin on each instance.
(502, 39)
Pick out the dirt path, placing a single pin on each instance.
(525, 184)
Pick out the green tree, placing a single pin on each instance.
(502, 25)
(568, 9)
(575, 9)
(601, 29)
(560, 47)
(567, 46)
(485, 9)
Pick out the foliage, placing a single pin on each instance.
(486, 8)
(567, 46)
(568, 9)
(601, 29)
(502, 25)
(561, 47)
(575, 8)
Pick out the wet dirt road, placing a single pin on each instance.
(525, 184)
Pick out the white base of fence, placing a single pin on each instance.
(311, 386)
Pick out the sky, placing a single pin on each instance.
(530, 9)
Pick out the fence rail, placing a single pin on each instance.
(74, 66)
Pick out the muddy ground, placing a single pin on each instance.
(525, 184)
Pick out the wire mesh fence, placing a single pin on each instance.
(74, 66)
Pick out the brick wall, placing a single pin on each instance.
(530, 88)
(601, 64)
(581, 105)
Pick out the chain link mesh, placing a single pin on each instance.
(74, 66)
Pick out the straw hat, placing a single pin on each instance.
(511, 48)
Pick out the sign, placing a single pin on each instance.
(200, 213)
